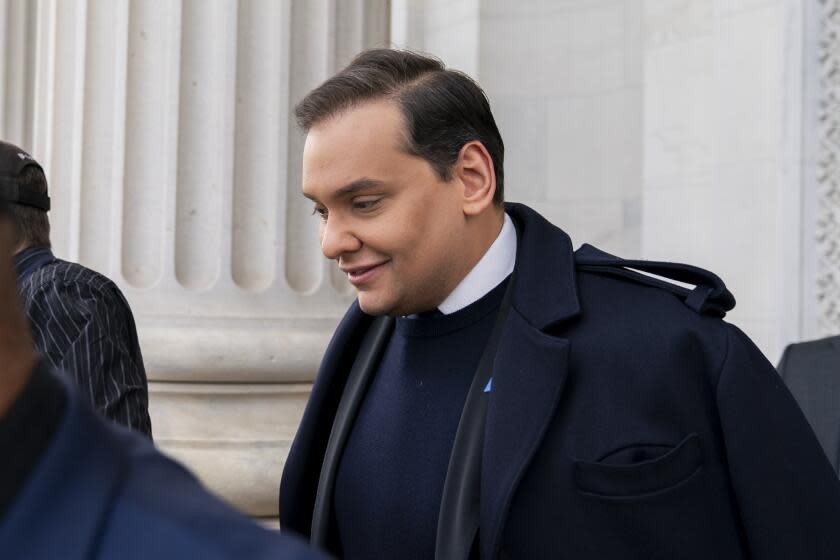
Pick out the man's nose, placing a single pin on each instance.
(337, 239)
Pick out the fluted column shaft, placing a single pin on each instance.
(166, 132)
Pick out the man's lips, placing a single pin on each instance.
(359, 275)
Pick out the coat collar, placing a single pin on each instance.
(31, 259)
(546, 288)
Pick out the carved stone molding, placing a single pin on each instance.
(234, 437)
(828, 170)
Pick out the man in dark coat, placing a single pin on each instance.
(493, 393)
(811, 371)
(75, 487)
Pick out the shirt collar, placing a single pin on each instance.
(30, 258)
(496, 265)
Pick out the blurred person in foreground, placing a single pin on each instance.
(493, 393)
(81, 323)
(73, 486)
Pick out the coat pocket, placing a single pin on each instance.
(609, 479)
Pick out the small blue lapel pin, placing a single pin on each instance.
(489, 386)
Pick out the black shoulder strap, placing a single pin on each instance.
(708, 295)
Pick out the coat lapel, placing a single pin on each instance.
(301, 473)
(364, 367)
(528, 379)
(530, 369)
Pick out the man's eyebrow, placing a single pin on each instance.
(355, 187)
(358, 185)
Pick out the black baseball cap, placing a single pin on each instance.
(13, 161)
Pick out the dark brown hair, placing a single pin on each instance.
(443, 109)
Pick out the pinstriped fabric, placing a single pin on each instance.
(84, 328)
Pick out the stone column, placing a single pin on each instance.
(166, 132)
(17, 33)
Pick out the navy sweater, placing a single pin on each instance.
(390, 480)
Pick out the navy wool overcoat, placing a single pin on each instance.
(626, 420)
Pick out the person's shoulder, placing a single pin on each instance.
(73, 281)
(102, 491)
(802, 353)
(679, 288)
(655, 312)
(163, 511)
(73, 273)
(830, 343)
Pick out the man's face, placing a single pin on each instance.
(17, 353)
(393, 226)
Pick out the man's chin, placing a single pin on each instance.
(374, 306)
(379, 306)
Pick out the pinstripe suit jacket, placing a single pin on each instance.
(84, 328)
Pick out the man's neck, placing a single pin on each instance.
(21, 248)
(487, 234)
(491, 268)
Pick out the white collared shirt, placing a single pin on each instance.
(496, 265)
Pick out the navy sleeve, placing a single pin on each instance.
(787, 492)
(26, 430)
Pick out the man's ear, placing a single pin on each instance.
(474, 169)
